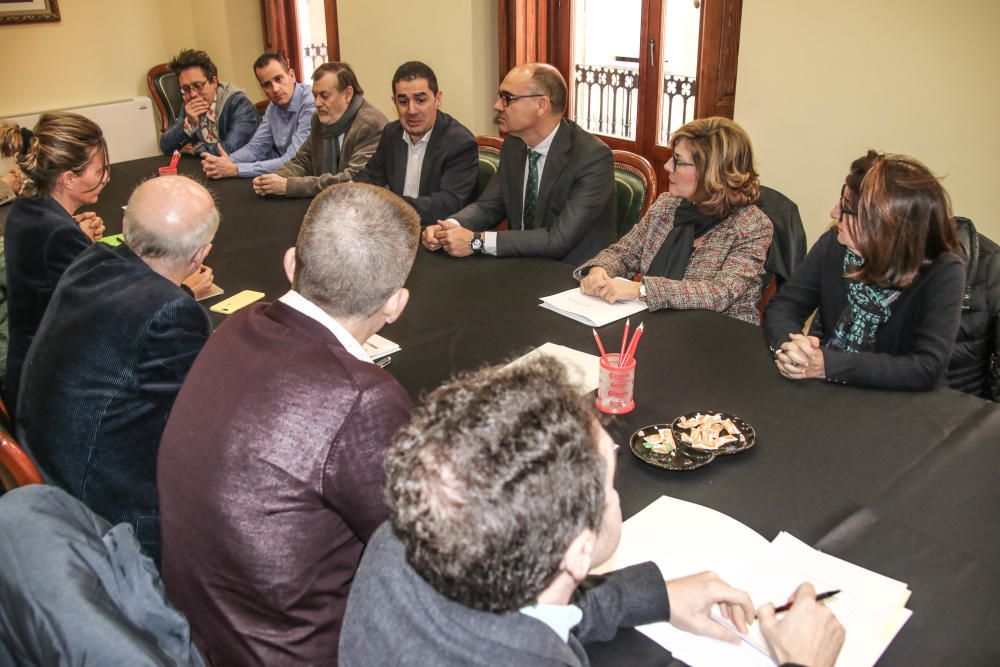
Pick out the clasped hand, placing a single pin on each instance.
(598, 283)
(800, 358)
(218, 166)
(270, 184)
(449, 235)
(91, 224)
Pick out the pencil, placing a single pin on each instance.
(600, 345)
(819, 598)
(621, 355)
(630, 352)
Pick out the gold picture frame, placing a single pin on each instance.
(15, 12)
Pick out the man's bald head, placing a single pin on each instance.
(170, 217)
(548, 81)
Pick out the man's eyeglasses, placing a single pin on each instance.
(506, 98)
(193, 88)
(845, 206)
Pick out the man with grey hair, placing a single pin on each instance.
(116, 342)
(270, 470)
(555, 183)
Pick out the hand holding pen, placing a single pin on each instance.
(807, 634)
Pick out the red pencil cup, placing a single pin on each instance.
(168, 171)
(615, 385)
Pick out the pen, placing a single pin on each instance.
(819, 598)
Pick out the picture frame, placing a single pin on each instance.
(16, 12)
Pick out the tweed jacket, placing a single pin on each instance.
(271, 482)
(305, 171)
(724, 273)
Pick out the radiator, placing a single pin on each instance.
(129, 126)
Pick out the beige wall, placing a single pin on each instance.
(819, 83)
(457, 38)
(101, 50)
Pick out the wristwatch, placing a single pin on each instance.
(642, 290)
(478, 243)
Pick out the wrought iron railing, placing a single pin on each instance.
(607, 100)
(317, 54)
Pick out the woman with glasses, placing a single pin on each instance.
(65, 166)
(702, 244)
(885, 283)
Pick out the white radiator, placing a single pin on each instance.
(129, 126)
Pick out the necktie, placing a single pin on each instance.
(530, 191)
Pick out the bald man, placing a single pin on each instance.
(116, 342)
(555, 183)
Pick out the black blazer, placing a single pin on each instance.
(109, 358)
(40, 240)
(449, 173)
(575, 216)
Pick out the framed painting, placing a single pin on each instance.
(28, 11)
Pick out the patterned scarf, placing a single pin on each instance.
(867, 310)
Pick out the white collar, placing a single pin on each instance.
(545, 144)
(296, 301)
(423, 140)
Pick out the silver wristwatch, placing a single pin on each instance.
(478, 243)
(642, 290)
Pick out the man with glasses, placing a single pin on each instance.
(555, 184)
(426, 157)
(216, 115)
(282, 131)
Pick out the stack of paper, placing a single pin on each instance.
(684, 538)
(378, 347)
(583, 368)
(591, 310)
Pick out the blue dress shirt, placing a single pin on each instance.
(279, 135)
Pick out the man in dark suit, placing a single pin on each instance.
(113, 348)
(426, 157)
(502, 498)
(270, 471)
(555, 184)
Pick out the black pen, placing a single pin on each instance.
(819, 598)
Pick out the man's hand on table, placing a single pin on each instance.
(807, 634)
(455, 239)
(219, 166)
(691, 601)
(200, 282)
(270, 184)
(91, 224)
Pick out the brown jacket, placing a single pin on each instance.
(305, 171)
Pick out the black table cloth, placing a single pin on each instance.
(900, 483)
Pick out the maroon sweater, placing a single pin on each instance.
(271, 482)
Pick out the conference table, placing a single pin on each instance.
(900, 483)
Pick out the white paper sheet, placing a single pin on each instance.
(583, 368)
(378, 347)
(590, 310)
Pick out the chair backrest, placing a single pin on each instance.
(165, 90)
(489, 159)
(635, 187)
(16, 468)
(788, 245)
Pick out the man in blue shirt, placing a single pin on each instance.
(284, 128)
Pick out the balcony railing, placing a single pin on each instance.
(316, 55)
(607, 100)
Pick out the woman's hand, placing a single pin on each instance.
(91, 224)
(594, 280)
(801, 358)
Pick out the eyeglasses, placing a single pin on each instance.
(506, 98)
(845, 206)
(193, 88)
(680, 163)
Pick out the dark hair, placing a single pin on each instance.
(904, 221)
(61, 142)
(269, 56)
(491, 481)
(414, 69)
(723, 155)
(14, 140)
(857, 173)
(355, 248)
(189, 58)
(551, 83)
(345, 76)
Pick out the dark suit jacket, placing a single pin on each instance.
(449, 174)
(575, 212)
(271, 483)
(40, 240)
(110, 355)
(394, 617)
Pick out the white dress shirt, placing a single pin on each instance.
(415, 153)
(296, 301)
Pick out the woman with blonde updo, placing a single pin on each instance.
(702, 244)
(14, 141)
(64, 166)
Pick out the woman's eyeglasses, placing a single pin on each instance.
(846, 208)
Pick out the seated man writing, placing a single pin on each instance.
(216, 115)
(501, 501)
(282, 131)
(345, 132)
(427, 157)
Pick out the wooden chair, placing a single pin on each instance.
(16, 468)
(489, 164)
(165, 90)
(635, 187)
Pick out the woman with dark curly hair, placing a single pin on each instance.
(886, 284)
(702, 244)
